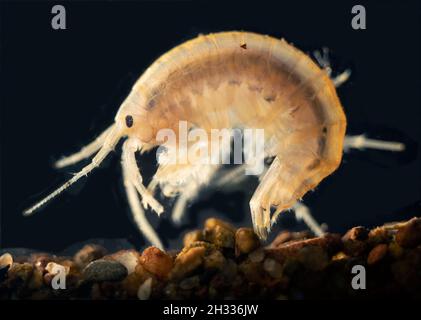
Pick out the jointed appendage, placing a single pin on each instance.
(85, 152)
(323, 60)
(130, 181)
(361, 142)
(130, 147)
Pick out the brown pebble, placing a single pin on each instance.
(330, 243)
(219, 233)
(41, 260)
(89, 253)
(313, 257)
(273, 268)
(287, 236)
(22, 271)
(354, 248)
(254, 272)
(189, 283)
(245, 241)
(377, 254)
(36, 281)
(379, 235)
(356, 233)
(396, 251)
(257, 255)
(214, 260)
(6, 260)
(230, 270)
(187, 261)
(53, 268)
(213, 222)
(339, 256)
(156, 261)
(131, 283)
(47, 278)
(409, 235)
(192, 236)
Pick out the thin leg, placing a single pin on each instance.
(130, 147)
(136, 208)
(233, 176)
(323, 60)
(85, 152)
(341, 78)
(189, 193)
(302, 212)
(361, 142)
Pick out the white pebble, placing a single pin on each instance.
(6, 260)
(145, 289)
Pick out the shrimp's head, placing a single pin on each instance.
(133, 120)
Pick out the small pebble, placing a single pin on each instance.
(36, 281)
(356, 233)
(89, 253)
(54, 268)
(214, 260)
(287, 236)
(41, 260)
(104, 270)
(211, 223)
(245, 241)
(379, 235)
(377, 254)
(396, 250)
(22, 271)
(145, 290)
(257, 255)
(219, 233)
(187, 261)
(192, 236)
(273, 268)
(6, 260)
(189, 283)
(409, 236)
(313, 257)
(156, 261)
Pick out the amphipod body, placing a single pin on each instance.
(227, 80)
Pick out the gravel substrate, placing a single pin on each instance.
(222, 262)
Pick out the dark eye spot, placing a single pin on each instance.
(129, 121)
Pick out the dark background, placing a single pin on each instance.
(61, 88)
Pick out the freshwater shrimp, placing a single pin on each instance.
(227, 80)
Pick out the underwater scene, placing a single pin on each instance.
(186, 150)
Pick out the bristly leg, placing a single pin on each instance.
(130, 181)
(130, 147)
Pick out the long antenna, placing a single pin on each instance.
(109, 144)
